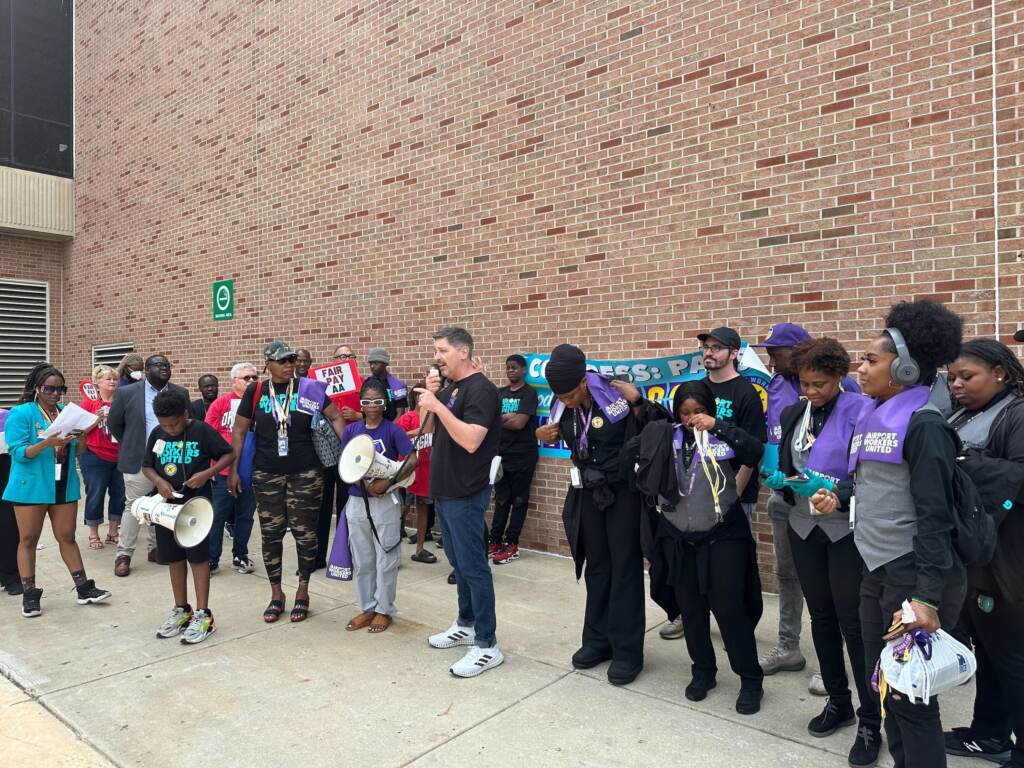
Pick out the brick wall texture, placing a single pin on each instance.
(615, 174)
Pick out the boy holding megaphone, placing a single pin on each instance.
(178, 461)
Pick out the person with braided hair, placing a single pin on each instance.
(987, 385)
(44, 481)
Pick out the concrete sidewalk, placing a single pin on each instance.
(314, 695)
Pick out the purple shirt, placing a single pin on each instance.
(388, 439)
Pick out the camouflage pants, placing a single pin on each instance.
(288, 501)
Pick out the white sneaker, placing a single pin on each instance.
(477, 660)
(817, 686)
(453, 636)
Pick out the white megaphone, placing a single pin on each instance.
(190, 522)
(360, 461)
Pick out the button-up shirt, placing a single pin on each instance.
(151, 422)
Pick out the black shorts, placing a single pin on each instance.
(169, 551)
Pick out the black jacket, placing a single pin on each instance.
(998, 472)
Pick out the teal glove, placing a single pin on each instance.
(812, 485)
(770, 459)
(775, 480)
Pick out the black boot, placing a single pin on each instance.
(587, 657)
(834, 716)
(864, 751)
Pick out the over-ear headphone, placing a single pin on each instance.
(904, 368)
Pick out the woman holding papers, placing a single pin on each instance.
(43, 480)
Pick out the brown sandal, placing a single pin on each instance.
(95, 542)
(360, 621)
(380, 622)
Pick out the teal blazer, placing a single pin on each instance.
(33, 481)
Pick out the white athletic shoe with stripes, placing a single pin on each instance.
(453, 636)
(477, 660)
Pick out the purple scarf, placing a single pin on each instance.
(882, 428)
(396, 388)
(311, 396)
(829, 456)
(607, 397)
(720, 449)
(782, 393)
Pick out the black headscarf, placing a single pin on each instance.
(566, 368)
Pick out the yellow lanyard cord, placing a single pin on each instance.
(714, 474)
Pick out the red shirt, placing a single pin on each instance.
(221, 416)
(409, 421)
(100, 441)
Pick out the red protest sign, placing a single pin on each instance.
(88, 390)
(343, 383)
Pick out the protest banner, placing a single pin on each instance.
(343, 383)
(656, 378)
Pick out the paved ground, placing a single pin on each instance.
(95, 687)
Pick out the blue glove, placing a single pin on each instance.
(770, 459)
(812, 485)
(775, 480)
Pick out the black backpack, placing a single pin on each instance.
(974, 537)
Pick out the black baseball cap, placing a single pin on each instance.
(724, 334)
(1019, 336)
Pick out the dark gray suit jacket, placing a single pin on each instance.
(127, 422)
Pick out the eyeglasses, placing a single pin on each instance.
(377, 401)
(49, 389)
(714, 349)
(251, 377)
(344, 357)
(290, 360)
(160, 365)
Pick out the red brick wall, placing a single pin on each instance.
(39, 261)
(616, 174)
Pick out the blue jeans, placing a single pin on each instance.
(228, 509)
(462, 526)
(101, 478)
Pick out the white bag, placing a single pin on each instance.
(920, 678)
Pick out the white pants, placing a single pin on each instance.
(375, 571)
(135, 487)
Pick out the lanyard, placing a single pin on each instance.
(584, 423)
(282, 413)
(714, 474)
(804, 438)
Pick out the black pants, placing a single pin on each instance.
(999, 698)
(333, 502)
(9, 535)
(728, 562)
(511, 492)
(614, 575)
(830, 575)
(914, 731)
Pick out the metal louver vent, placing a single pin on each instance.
(111, 354)
(24, 337)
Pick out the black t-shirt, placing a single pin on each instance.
(301, 454)
(739, 403)
(176, 459)
(454, 472)
(519, 446)
(605, 440)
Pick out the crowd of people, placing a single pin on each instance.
(861, 477)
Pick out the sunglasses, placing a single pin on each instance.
(252, 377)
(344, 357)
(368, 403)
(49, 389)
(286, 360)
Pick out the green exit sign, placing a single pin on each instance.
(224, 300)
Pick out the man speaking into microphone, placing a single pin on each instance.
(467, 433)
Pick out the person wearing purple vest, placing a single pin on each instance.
(903, 455)
(814, 441)
(286, 474)
(784, 391)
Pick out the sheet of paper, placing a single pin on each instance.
(70, 419)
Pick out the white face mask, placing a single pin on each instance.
(137, 375)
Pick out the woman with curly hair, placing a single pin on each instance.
(987, 385)
(902, 455)
(814, 445)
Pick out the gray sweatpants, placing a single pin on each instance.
(135, 487)
(374, 571)
(791, 596)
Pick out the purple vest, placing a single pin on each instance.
(829, 456)
(782, 393)
(607, 397)
(881, 429)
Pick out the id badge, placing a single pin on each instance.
(853, 511)
(282, 442)
(58, 471)
(575, 478)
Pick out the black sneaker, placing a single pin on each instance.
(229, 529)
(749, 701)
(30, 603)
(215, 568)
(90, 593)
(833, 717)
(14, 587)
(698, 688)
(622, 673)
(961, 742)
(864, 752)
(451, 577)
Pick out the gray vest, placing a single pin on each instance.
(693, 510)
(885, 516)
(801, 518)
